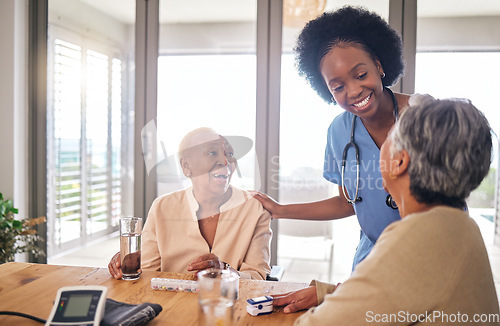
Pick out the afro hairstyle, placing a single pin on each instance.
(350, 25)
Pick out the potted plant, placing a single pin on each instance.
(17, 236)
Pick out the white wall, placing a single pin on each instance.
(207, 38)
(13, 101)
(87, 21)
(7, 10)
(458, 33)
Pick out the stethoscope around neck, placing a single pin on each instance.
(389, 200)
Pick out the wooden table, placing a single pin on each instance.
(31, 289)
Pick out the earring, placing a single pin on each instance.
(392, 176)
(382, 75)
(389, 201)
(188, 174)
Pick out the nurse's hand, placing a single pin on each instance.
(297, 300)
(275, 208)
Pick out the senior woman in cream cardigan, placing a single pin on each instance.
(209, 225)
(430, 268)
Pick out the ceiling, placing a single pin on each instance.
(181, 11)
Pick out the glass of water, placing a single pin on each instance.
(130, 247)
(217, 292)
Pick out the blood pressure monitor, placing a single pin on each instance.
(78, 305)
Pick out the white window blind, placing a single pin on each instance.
(84, 141)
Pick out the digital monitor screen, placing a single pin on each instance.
(78, 305)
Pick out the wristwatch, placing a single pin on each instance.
(226, 265)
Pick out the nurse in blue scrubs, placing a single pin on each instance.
(350, 57)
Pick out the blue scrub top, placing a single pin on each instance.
(372, 212)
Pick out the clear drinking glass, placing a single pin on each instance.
(217, 292)
(130, 247)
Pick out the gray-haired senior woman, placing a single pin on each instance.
(431, 267)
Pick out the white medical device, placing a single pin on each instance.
(78, 305)
(260, 305)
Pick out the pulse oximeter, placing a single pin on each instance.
(260, 305)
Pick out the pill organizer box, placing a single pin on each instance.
(170, 284)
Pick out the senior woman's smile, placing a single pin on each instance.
(222, 176)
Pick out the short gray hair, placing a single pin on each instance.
(196, 137)
(449, 144)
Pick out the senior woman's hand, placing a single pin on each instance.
(204, 262)
(297, 300)
(114, 265)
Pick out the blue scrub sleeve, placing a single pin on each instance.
(331, 168)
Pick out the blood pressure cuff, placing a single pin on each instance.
(123, 314)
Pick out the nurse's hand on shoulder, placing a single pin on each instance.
(269, 204)
(297, 300)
